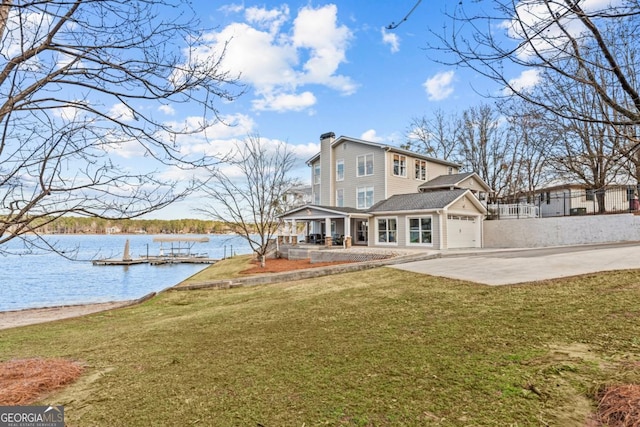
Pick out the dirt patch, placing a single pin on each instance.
(619, 406)
(279, 265)
(24, 381)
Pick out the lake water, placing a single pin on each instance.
(47, 279)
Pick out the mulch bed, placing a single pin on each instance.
(278, 265)
(24, 381)
(619, 406)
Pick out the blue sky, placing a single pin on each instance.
(314, 67)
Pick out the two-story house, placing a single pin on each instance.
(366, 193)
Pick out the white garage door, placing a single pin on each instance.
(463, 231)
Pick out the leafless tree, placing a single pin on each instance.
(247, 195)
(80, 81)
(435, 136)
(532, 144)
(486, 149)
(570, 44)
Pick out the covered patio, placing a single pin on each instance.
(326, 226)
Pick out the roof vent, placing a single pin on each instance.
(327, 135)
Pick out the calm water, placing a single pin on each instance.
(47, 279)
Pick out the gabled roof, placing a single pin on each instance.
(391, 148)
(431, 200)
(452, 181)
(328, 209)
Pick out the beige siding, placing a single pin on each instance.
(349, 151)
(472, 184)
(403, 231)
(434, 170)
(464, 206)
(409, 184)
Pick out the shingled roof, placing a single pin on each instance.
(418, 201)
(446, 181)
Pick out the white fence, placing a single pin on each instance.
(513, 211)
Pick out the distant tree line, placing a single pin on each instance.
(81, 225)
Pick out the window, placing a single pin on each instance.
(340, 170)
(365, 165)
(316, 173)
(387, 230)
(548, 197)
(421, 170)
(316, 198)
(420, 230)
(399, 165)
(589, 195)
(450, 170)
(364, 197)
(340, 197)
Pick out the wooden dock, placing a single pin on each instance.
(155, 260)
(178, 252)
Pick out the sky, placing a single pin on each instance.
(312, 67)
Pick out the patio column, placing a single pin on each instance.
(327, 232)
(293, 236)
(347, 232)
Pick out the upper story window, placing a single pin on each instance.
(450, 170)
(340, 197)
(364, 197)
(365, 165)
(339, 169)
(399, 165)
(421, 170)
(316, 173)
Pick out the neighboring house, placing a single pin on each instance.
(577, 199)
(365, 193)
(299, 195)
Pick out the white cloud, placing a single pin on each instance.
(371, 135)
(285, 102)
(121, 113)
(537, 22)
(526, 80)
(168, 110)
(271, 20)
(391, 39)
(279, 58)
(440, 86)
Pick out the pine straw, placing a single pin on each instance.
(619, 406)
(23, 381)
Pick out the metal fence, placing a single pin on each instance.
(570, 202)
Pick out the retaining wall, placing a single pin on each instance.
(561, 231)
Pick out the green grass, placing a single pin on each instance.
(376, 348)
(228, 268)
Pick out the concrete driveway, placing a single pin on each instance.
(509, 266)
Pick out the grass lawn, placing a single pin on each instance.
(376, 348)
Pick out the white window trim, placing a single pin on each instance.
(317, 177)
(418, 161)
(408, 231)
(340, 161)
(365, 165)
(377, 234)
(338, 190)
(365, 196)
(400, 158)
